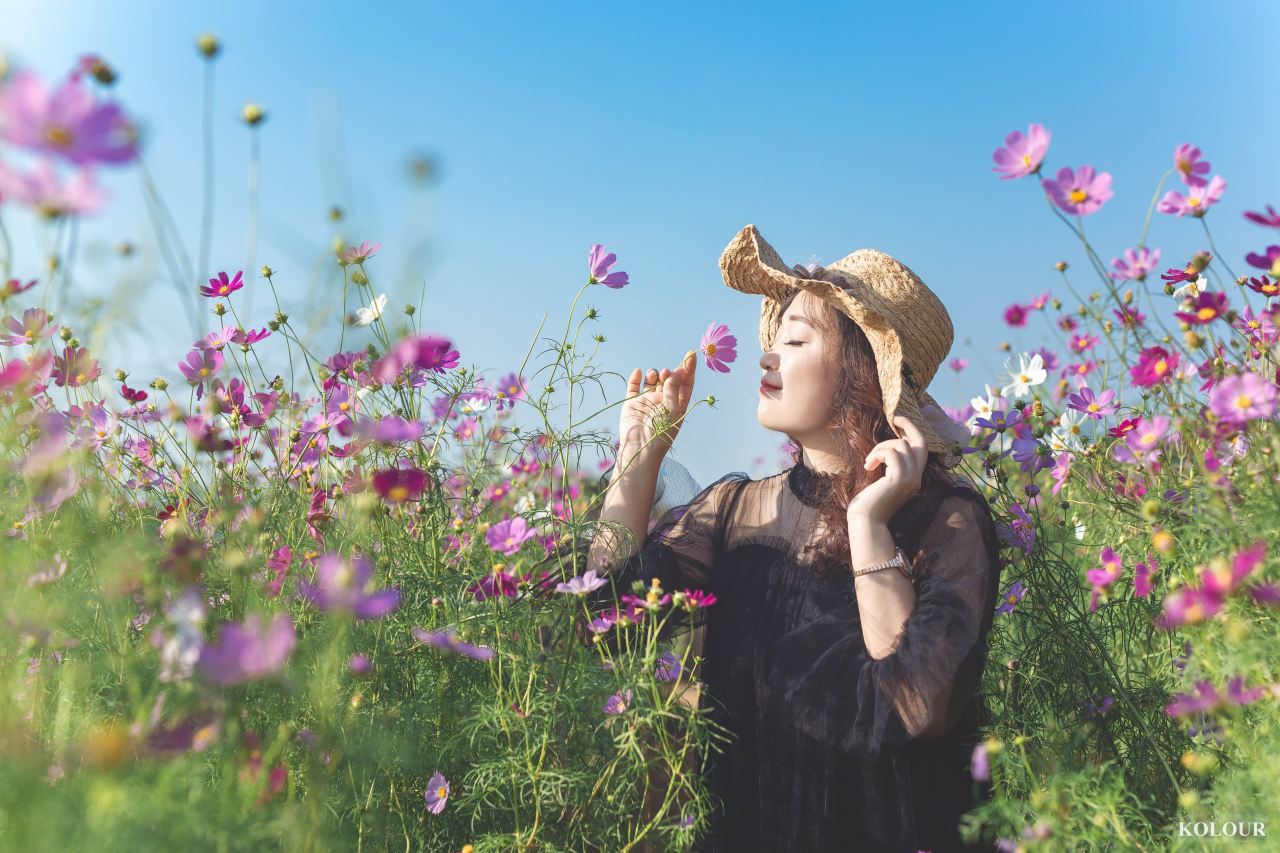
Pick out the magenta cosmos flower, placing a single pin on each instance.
(34, 326)
(1103, 577)
(420, 352)
(1079, 192)
(1268, 259)
(508, 535)
(74, 368)
(1270, 218)
(1196, 202)
(1016, 315)
(1093, 405)
(1207, 308)
(1136, 265)
(510, 389)
(247, 652)
(1186, 159)
(1142, 574)
(1155, 365)
(1243, 397)
(44, 192)
(1205, 698)
(1011, 597)
(346, 585)
(68, 122)
(200, 366)
(437, 792)
(446, 641)
(599, 262)
(221, 286)
(719, 347)
(1022, 153)
(398, 485)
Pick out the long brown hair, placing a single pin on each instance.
(857, 415)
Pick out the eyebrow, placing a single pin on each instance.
(801, 318)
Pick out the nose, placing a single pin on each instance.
(768, 359)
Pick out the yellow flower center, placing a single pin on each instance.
(398, 493)
(223, 290)
(1149, 438)
(56, 134)
(1078, 196)
(1093, 407)
(204, 371)
(441, 791)
(1207, 313)
(1161, 367)
(1193, 202)
(710, 350)
(1026, 159)
(1244, 401)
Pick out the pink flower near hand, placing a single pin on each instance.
(599, 262)
(1079, 192)
(1022, 153)
(719, 347)
(508, 535)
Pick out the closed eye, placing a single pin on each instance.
(794, 343)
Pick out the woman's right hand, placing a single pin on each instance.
(647, 394)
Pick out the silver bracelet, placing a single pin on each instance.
(898, 561)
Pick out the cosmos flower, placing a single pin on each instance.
(33, 327)
(248, 651)
(445, 640)
(1243, 397)
(1186, 159)
(1197, 201)
(1155, 365)
(366, 316)
(44, 192)
(587, 582)
(437, 793)
(345, 585)
(221, 286)
(68, 122)
(1093, 405)
(599, 262)
(1136, 265)
(719, 347)
(1010, 598)
(1103, 577)
(1030, 371)
(74, 368)
(618, 702)
(360, 254)
(1079, 192)
(1022, 153)
(398, 485)
(508, 535)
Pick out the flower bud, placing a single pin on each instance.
(120, 375)
(1060, 266)
(65, 333)
(359, 277)
(253, 114)
(159, 383)
(410, 310)
(208, 45)
(219, 308)
(335, 214)
(266, 271)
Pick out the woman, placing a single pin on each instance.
(854, 591)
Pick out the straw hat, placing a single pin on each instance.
(907, 325)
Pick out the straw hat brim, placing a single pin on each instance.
(750, 265)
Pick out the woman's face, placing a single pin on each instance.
(801, 363)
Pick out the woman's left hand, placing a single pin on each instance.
(904, 460)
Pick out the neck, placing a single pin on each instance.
(822, 458)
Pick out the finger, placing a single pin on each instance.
(915, 438)
(671, 393)
(873, 459)
(633, 383)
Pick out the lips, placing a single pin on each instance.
(764, 383)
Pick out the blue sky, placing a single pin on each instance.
(660, 131)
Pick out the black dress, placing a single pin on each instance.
(825, 753)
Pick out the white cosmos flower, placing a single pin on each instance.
(1030, 371)
(366, 316)
(984, 407)
(1190, 289)
(1066, 435)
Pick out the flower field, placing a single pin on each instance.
(284, 596)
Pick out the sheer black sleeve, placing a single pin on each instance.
(820, 678)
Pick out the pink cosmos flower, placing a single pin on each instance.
(247, 652)
(599, 262)
(74, 368)
(494, 583)
(510, 389)
(1260, 328)
(1129, 316)
(1022, 154)
(420, 352)
(508, 535)
(618, 702)
(200, 366)
(1191, 272)
(1208, 307)
(1270, 218)
(250, 337)
(278, 568)
(1136, 265)
(1082, 342)
(220, 286)
(43, 191)
(68, 122)
(588, 582)
(13, 287)
(1244, 397)
(958, 364)
(1142, 576)
(1015, 315)
(1095, 406)
(1155, 365)
(1038, 302)
(360, 254)
(1196, 202)
(445, 640)
(398, 485)
(346, 586)
(1103, 577)
(719, 347)
(1186, 159)
(1011, 597)
(1205, 698)
(437, 793)
(1268, 259)
(1144, 441)
(34, 326)
(1079, 192)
